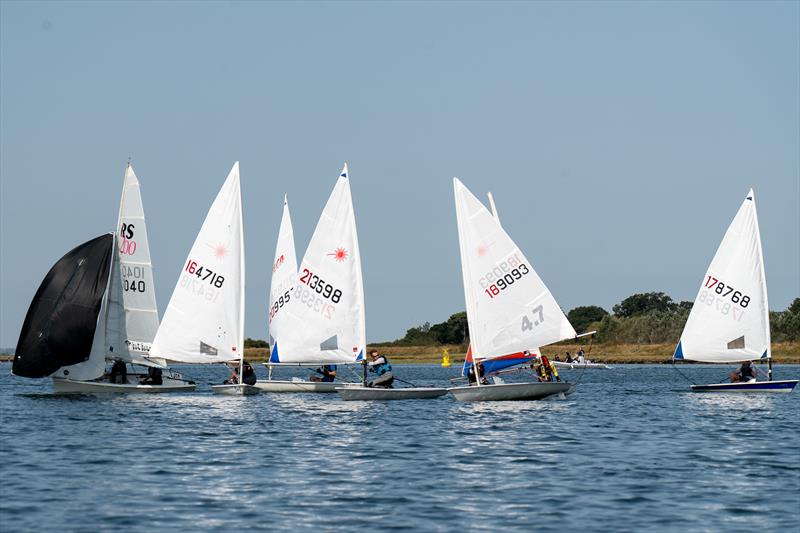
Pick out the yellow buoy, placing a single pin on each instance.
(445, 359)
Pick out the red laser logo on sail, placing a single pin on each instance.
(220, 251)
(340, 254)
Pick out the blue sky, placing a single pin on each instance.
(618, 138)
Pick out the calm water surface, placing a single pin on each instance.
(631, 450)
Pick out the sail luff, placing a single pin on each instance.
(763, 276)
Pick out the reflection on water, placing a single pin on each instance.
(624, 443)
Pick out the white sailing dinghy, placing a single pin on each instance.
(204, 321)
(509, 309)
(98, 304)
(729, 321)
(317, 312)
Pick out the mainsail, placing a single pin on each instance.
(59, 332)
(204, 321)
(729, 321)
(284, 275)
(324, 320)
(509, 308)
(132, 312)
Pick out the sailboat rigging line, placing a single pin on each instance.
(404, 381)
(682, 374)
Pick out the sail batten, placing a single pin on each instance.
(729, 321)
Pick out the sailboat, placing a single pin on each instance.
(317, 311)
(509, 309)
(97, 303)
(729, 321)
(204, 321)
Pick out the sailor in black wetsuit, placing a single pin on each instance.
(747, 372)
(328, 373)
(381, 366)
(119, 372)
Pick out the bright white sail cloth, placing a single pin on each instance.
(324, 320)
(204, 321)
(132, 311)
(284, 274)
(729, 321)
(509, 308)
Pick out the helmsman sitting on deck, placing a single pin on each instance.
(747, 372)
(380, 365)
(328, 373)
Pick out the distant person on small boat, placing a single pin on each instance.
(569, 358)
(557, 358)
(248, 374)
(154, 377)
(747, 372)
(549, 368)
(328, 373)
(119, 372)
(233, 379)
(471, 375)
(581, 356)
(381, 366)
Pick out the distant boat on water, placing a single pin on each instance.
(97, 304)
(729, 321)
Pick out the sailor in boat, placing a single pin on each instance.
(746, 373)
(154, 376)
(471, 375)
(581, 356)
(249, 375)
(569, 358)
(381, 366)
(328, 373)
(119, 372)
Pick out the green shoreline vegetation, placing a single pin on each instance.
(643, 328)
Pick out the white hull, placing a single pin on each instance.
(235, 390)
(299, 386)
(562, 364)
(64, 385)
(510, 391)
(376, 393)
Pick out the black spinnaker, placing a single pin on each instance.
(61, 321)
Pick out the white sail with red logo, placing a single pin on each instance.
(324, 320)
(729, 321)
(204, 321)
(509, 308)
(284, 275)
(132, 319)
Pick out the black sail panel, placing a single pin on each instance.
(61, 321)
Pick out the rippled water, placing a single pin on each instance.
(631, 449)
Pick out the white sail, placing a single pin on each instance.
(509, 308)
(324, 320)
(132, 311)
(729, 321)
(204, 321)
(284, 275)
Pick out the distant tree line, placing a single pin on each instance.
(645, 318)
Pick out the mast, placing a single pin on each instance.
(240, 340)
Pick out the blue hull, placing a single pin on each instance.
(755, 386)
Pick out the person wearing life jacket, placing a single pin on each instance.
(381, 366)
(549, 368)
(248, 374)
(746, 372)
(471, 375)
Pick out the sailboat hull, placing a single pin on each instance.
(235, 390)
(752, 386)
(510, 391)
(359, 393)
(68, 386)
(298, 386)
